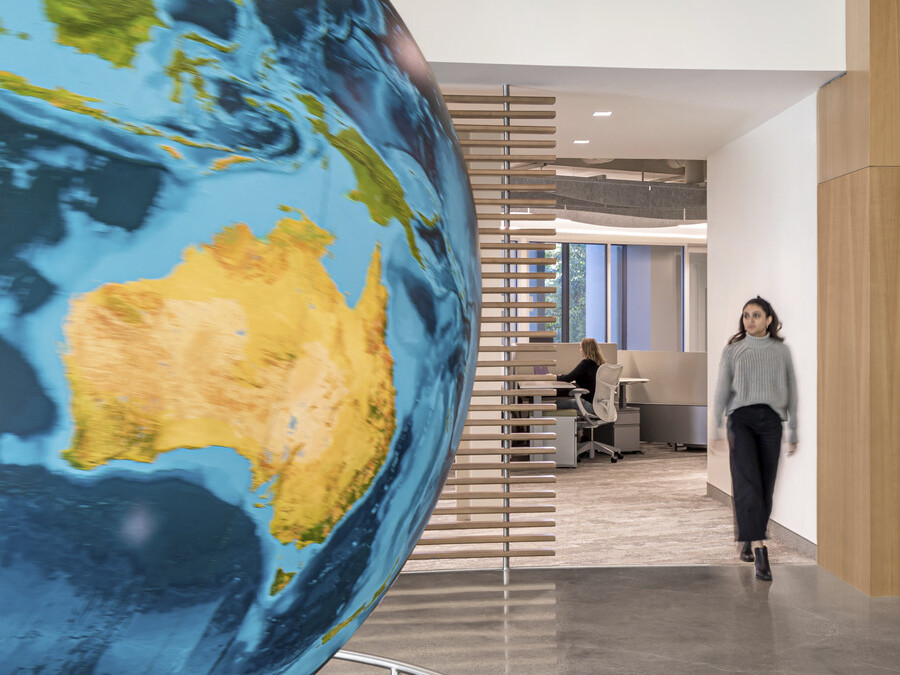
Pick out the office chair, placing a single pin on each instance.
(604, 405)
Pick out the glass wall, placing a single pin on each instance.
(632, 295)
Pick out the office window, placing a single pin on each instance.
(643, 290)
(558, 269)
(586, 315)
(650, 309)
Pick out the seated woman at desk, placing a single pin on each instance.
(584, 375)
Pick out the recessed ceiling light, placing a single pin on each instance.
(603, 113)
(581, 142)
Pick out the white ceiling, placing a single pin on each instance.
(682, 79)
(657, 114)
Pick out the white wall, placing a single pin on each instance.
(759, 35)
(762, 240)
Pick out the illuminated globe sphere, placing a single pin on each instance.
(239, 273)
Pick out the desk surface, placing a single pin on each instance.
(623, 383)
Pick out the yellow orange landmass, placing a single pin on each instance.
(247, 344)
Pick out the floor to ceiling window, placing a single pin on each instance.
(633, 295)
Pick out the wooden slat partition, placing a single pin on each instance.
(504, 463)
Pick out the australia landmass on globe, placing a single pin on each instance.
(247, 344)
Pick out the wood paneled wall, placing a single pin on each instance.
(844, 411)
(859, 306)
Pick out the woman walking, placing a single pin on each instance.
(757, 391)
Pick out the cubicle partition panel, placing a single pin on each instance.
(494, 505)
(673, 402)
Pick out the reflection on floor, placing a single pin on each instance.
(647, 509)
(658, 619)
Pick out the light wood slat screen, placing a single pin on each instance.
(494, 504)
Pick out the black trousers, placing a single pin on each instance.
(754, 436)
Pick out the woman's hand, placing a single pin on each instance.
(792, 448)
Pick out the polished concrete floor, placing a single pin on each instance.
(646, 579)
(692, 619)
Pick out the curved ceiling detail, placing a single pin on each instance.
(623, 203)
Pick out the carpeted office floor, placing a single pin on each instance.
(647, 509)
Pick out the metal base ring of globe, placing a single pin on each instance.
(238, 328)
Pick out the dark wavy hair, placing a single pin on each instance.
(766, 307)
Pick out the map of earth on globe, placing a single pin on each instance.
(238, 326)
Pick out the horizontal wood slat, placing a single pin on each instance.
(518, 290)
(513, 422)
(516, 377)
(518, 157)
(518, 275)
(516, 216)
(500, 128)
(498, 480)
(529, 232)
(543, 381)
(510, 436)
(516, 173)
(466, 495)
(492, 260)
(505, 143)
(515, 201)
(505, 466)
(511, 407)
(519, 451)
(485, 320)
(472, 510)
(512, 304)
(521, 347)
(515, 246)
(518, 363)
(518, 333)
(512, 391)
(448, 555)
(487, 539)
(489, 525)
(459, 114)
(512, 187)
(492, 98)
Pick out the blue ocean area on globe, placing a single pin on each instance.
(238, 328)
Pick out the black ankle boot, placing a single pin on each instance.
(746, 552)
(763, 571)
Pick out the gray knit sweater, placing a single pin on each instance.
(758, 370)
